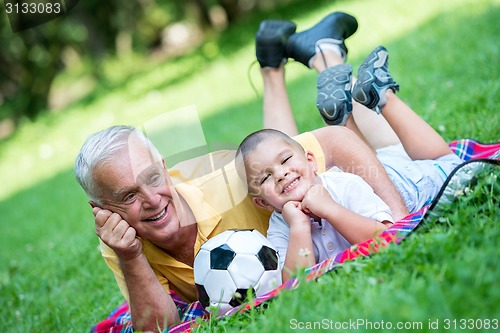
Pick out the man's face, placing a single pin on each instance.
(278, 173)
(135, 184)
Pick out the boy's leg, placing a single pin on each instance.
(376, 89)
(375, 131)
(419, 139)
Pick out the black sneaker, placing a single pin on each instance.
(334, 99)
(270, 42)
(334, 28)
(374, 79)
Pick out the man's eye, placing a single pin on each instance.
(129, 197)
(156, 180)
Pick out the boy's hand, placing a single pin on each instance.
(294, 216)
(116, 233)
(317, 202)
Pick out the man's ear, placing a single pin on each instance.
(312, 160)
(261, 203)
(93, 204)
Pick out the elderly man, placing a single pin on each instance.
(151, 221)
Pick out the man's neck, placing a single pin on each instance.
(181, 246)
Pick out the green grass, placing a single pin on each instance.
(443, 54)
(446, 270)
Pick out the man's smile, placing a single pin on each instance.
(158, 216)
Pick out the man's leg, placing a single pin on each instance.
(276, 105)
(276, 41)
(270, 43)
(376, 89)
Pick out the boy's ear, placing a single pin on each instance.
(312, 160)
(261, 203)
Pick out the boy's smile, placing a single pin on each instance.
(278, 172)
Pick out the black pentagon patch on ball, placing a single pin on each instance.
(240, 295)
(269, 258)
(202, 295)
(221, 257)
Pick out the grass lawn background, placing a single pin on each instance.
(443, 54)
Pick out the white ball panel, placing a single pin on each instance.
(219, 286)
(244, 242)
(246, 270)
(201, 266)
(262, 239)
(218, 240)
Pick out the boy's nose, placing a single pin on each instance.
(282, 175)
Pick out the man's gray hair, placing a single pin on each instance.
(101, 147)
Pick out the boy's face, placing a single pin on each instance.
(278, 172)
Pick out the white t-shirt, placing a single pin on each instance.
(348, 190)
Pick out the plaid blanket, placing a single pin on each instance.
(119, 321)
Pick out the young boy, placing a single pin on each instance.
(322, 215)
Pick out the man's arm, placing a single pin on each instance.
(344, 149)
(151, 307)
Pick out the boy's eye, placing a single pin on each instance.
(266, 177)
(286, 159)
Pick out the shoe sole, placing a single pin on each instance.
(366, 91)
(334, 99)
(270, 42)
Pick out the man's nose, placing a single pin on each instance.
(150, 197)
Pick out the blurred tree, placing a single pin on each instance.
(30, 59)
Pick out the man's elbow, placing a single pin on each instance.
(159, 322)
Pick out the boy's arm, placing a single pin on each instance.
(344, 149)
(300, 252)
(354, 227)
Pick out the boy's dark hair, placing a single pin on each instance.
(254, 139)
(249, 144)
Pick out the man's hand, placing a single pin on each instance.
(116, 233)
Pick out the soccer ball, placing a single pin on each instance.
(231, 266)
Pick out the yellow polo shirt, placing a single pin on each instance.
(218, 198)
